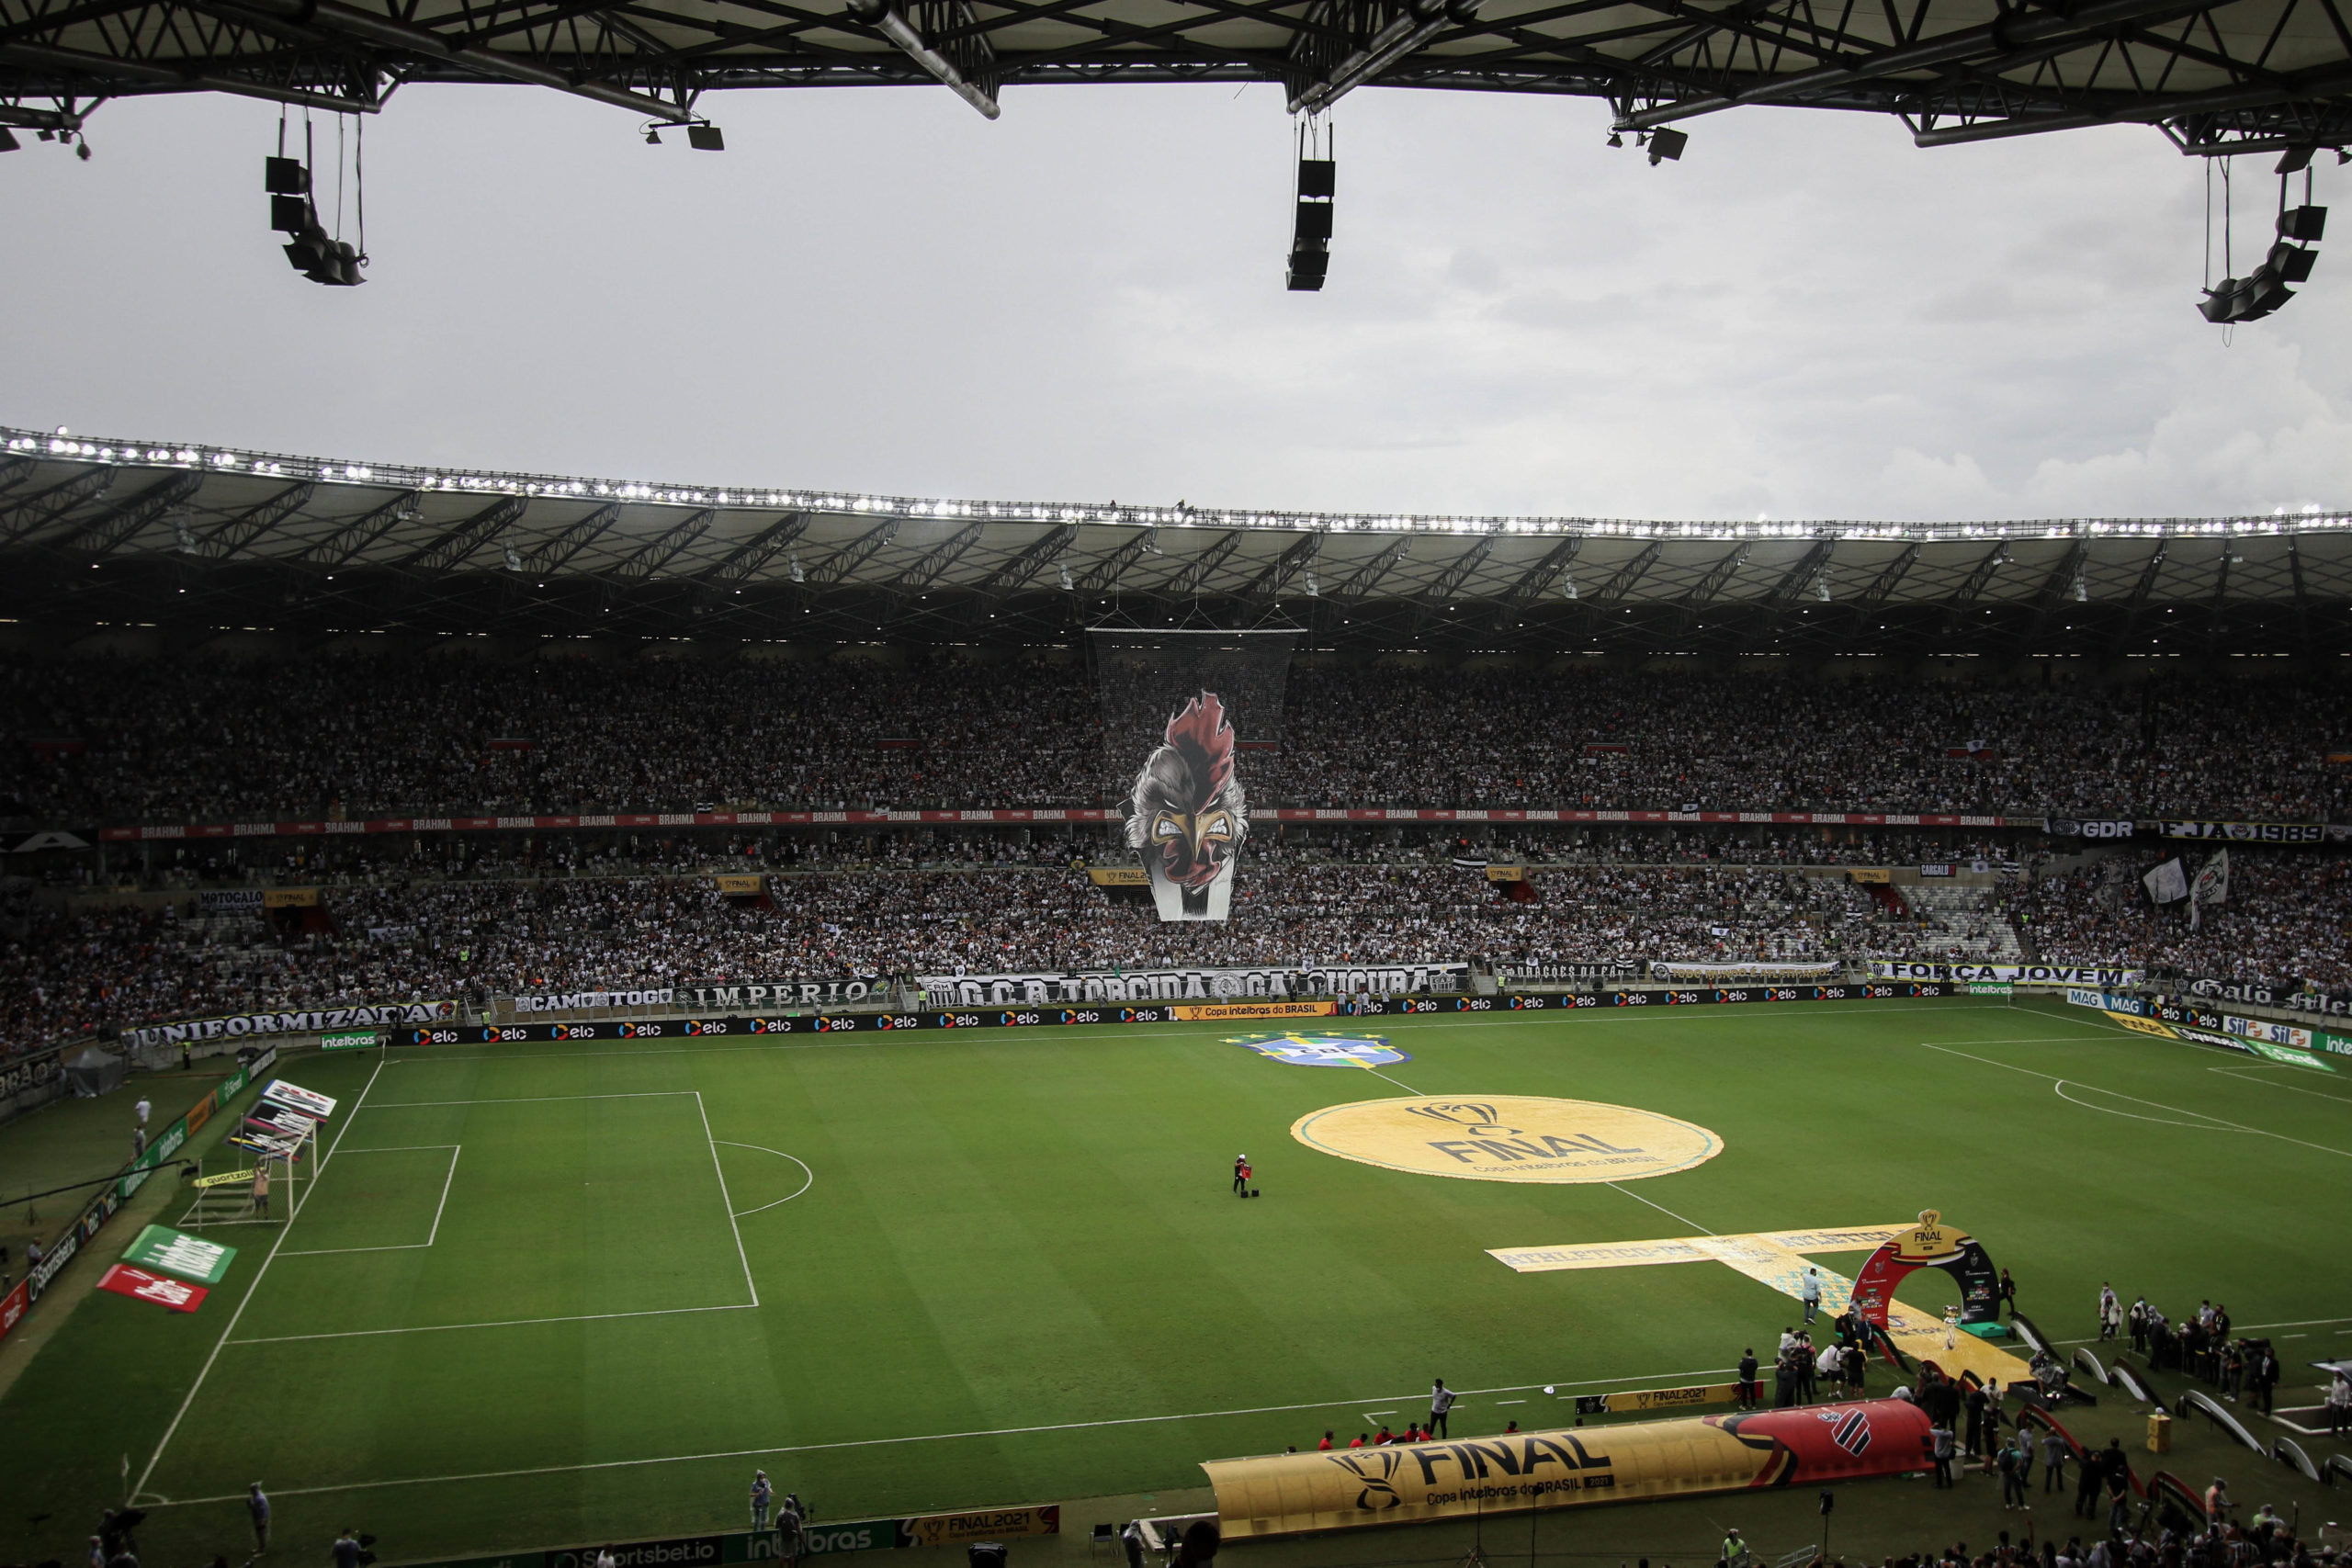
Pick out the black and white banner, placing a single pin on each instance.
(1617, 971)
(313, 1020)
(1741, 974)
(845, 991)
(1189, 984)
(2010, 973)
(49, 838)
(2089, 826)
(2256, 832)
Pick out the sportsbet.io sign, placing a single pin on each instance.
(1509, 1138)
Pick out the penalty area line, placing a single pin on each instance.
(809, 1177)
(1356, 1404)
(318, 1168)
(2059, 1085)
(499, 1323)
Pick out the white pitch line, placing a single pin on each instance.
(455, 1150)
(724, 1198)
(2233, 1072)
(810, 1176)
(499, 1323)
(2158, 1104)
(1661, 1207)
(2208, 1123)
(535, 1100)
(251, 1291)
(887, 1442)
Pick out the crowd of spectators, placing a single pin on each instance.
(67, 975)
(123, 740)
(2288, 918)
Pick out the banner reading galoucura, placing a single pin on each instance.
(1034, 988)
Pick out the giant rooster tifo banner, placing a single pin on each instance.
(1932, 1244)
(1188, 715)
(1639, 1461)
(1188, 815)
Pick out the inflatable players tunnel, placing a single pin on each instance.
(1408, 1482)
(1930, 1245)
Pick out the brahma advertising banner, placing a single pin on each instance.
(2008, 974)
(1034, 989)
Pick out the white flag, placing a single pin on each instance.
(2213, 881)
(2168, 883)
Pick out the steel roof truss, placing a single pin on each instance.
(1360, 582)
(1014, 572)
(110, 529)
(1621, 581)
(240, 531)
(452, 547)
(657, 552)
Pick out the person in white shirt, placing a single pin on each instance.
(143, 1108)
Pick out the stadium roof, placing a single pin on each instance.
(2242, 74)
(206, 538)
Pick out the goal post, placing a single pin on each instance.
(222, 1183)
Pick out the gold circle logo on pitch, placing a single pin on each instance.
(1509, 1138)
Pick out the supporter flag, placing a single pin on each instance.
(2168, 883)
(2212, 885)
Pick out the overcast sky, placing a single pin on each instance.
(877, 289)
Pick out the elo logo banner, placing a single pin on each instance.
(1322, 1050)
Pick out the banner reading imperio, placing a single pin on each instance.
(1180, 711)
(1289, 1493)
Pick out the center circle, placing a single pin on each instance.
(1509, 1138)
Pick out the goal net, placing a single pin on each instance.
(252, 1178)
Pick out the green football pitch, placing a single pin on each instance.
(547, 1294)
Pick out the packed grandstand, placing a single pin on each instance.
(128, 932)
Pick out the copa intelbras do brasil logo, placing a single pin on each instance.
(1510, 1138)
(1322, 1050)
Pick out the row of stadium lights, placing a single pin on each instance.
(62, 444)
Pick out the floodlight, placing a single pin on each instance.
(285, 176)
(705, 138)
(1667, 142)
(2221, 302)
(1615, 139)
(8, 142)
(2291, 263)
(2307, 223)
(653, 136)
